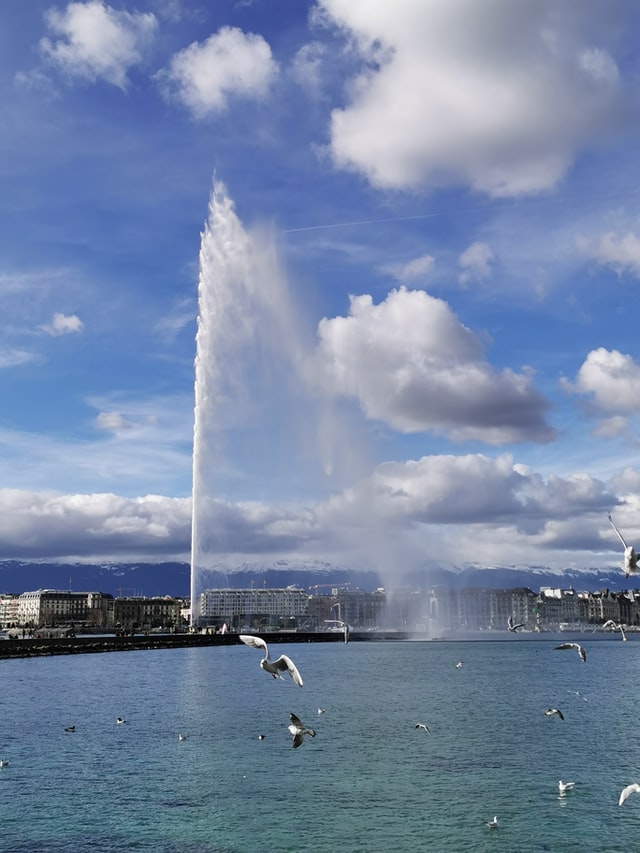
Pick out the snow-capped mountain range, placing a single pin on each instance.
(150, 579)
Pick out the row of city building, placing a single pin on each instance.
(433, 611)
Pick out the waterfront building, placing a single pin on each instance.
(481, 609)
(8, 609)
(557, 607)
(145, 614)
(264, 608)
(59, 607)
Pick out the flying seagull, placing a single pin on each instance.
(565, 786)
(617, 626)
(551, 711)
(274, 667)
(4, 762)
(634, 788)
(70, 729)
(182, 737)
(422, 726)
(630, 560)
(299, 730)
(577, 647)
(512, 626)
(120, 721)
(493, 824)
(459, 664)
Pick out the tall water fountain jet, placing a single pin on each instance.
(273, 450)
(247, 389)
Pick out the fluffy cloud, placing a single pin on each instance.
(204, 76)
(412, 270)
(497, 95)
(460, 508)
(97, 42)
(62, 324)
(475, 263)
(465, 490)
(43, 524)
(611, 379)
(620, 252)
(410, 363)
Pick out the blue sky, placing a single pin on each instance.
(436, 359)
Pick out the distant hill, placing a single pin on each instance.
(151, 579)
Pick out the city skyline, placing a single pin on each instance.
(444, 195)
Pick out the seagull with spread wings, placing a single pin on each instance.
(298, 730)
(617, 626)
(577, 647)
(273, 667)
(634, 788)
(630, 560)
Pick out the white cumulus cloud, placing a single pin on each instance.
(229, 63)
(97, 42)
(621, 252)
(410, 363)
(611, 379)
(499, 96)
(63, 324)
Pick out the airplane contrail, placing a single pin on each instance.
(458, 211)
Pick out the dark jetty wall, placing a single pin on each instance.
(102, 643)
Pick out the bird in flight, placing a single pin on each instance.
(630, 559)
(634, 788)
(423, 726)
(577, 647)
(550, 712)
(617, 626)
(273, 667)
(511, 625)
(563, 787)
(298, 730)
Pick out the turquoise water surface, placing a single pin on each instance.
(369, 781)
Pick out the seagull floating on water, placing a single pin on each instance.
(120, 721)
(261, 737)
(630, 559)
(634, 788)
(273, 667)
(511, 625)
(422, 726)
(299, 730)
(563, 787)
(493, 824)
(182, 737)
(459, 664)
(551, 711)
(4, 762)
(577, 647)
(321, 710)
(70, 729)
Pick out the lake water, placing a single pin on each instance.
(369, 782)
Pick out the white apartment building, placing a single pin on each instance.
(8, 609)
(244, 603)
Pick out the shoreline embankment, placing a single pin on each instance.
(98, 643)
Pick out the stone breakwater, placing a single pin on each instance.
(27, 648)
